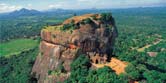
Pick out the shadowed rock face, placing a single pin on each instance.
(60, 45)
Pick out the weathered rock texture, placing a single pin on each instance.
(91, 34)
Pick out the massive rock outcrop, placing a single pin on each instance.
(90, 34)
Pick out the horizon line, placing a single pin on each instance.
(81, 8)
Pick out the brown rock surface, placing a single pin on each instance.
(60, 45)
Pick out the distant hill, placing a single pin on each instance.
(24, 11)
(21, 12)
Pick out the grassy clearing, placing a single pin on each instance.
(16, 46)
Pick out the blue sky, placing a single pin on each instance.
(11, 5)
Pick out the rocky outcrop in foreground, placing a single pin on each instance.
(90, 34)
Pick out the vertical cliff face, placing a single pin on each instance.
(90, 34)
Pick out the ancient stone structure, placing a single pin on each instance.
(90, 34)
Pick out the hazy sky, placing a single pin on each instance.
(10, 5)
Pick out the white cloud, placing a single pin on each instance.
(7, 8)
(57, 5)
(85, 4)
(54, 5)
(29, 5)
(89, 1)
(83, 0)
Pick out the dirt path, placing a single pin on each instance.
(147, 46)
(117, 65)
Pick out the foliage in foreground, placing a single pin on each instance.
(17, 68)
